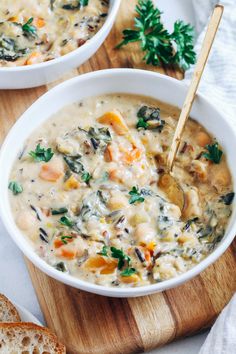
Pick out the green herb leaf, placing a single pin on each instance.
(156, 42)
(86, 177)
(121, 256)
(128, 272)
(84, 2)
(104, 251)
(15, 187)
(64, 238)
(28, 29)
(214, 153)
(149, 118)
(61, 267)
(59, 211)
(41, 154)
(136, 196)
(74, 164)
(78, 5)
(227, 199)
(65, 220)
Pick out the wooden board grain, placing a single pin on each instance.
(92, 324)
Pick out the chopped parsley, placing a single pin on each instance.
(41, 154)
(65, 238)
(214, 154)
(121, 256)
(29, 29)
(128, 272)
(59, 211)
(15, 187)
(104, 251)
(66, 221)
(86, 177)
(136, 196)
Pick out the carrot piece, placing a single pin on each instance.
(106, 266)
(50, 174)
(13, 19)
(109, 268)
(39, 22)
(34, 58)
(134, 278)
(58, 243)
(133, 155)
(108, 154)
(151, 246)
(115, 119)
(68, 253)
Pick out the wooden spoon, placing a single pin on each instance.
(202, 59)
(167, 182)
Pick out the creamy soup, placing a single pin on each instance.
(90, 192)
(34, 31)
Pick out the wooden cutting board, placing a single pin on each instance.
(91, 324)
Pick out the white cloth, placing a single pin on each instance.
(219, 85)
(219, 78)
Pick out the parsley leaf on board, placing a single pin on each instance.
(15, 187)
(156, 42)
(214, 154)
(136, 196)
(41, 154)
(29, 29)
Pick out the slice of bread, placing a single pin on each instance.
(8, 312)
(28, 338)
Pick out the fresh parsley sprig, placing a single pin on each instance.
(41, 154)
(159, 45)
(28, 29)
(214, 154)
(121, 256)
(136, 196)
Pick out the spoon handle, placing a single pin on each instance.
(202, 59)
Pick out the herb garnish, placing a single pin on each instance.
(41, 154)
(227, 199)
(15, 187)
(104, 251)
(121, 256)
(136, 196)
(156, 41)
(29, 29)
(59, 211)
(149, 118)
(64, 238)
(214, 153)
(86, 177)
(128, 272)
(65, 220)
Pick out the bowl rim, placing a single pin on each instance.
(78, 283)
(113, 11)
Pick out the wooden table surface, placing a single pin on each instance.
(89, 323)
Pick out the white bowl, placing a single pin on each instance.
(128, 81)
(27, 76)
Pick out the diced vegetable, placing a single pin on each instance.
(50, 173)
(115, 119)
(71, 183)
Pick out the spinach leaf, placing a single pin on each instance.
(227, 199)
(15, 187)
(149, 118)
(74, 164)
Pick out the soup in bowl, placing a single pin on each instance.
(88, 198)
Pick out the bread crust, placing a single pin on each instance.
(13, 313)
